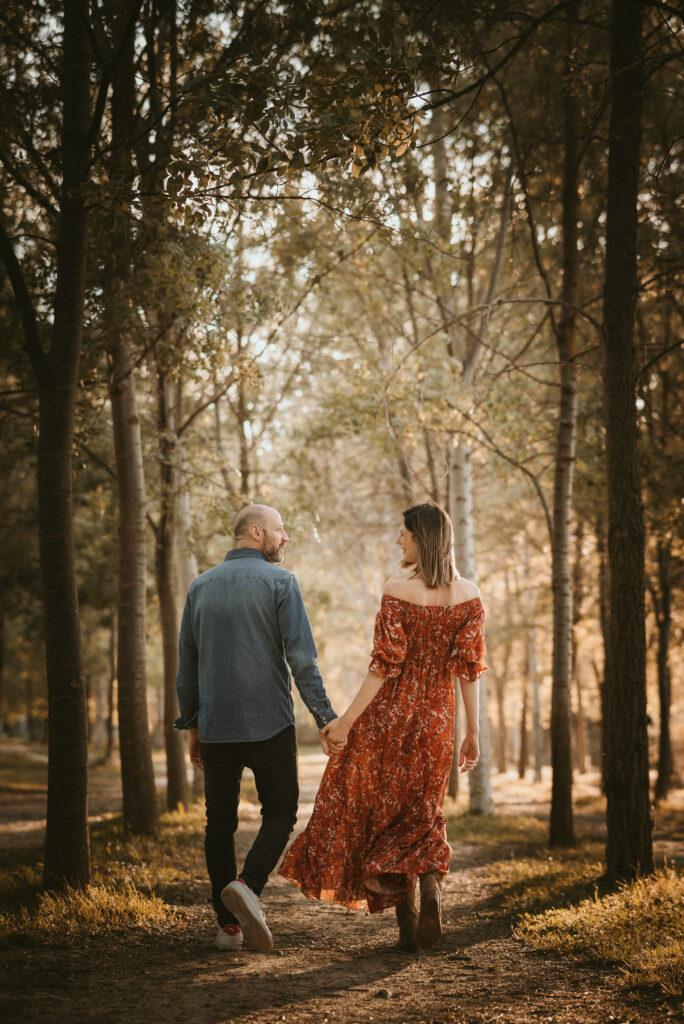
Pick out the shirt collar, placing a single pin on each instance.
(244, 553)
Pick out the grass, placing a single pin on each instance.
(74, 914)
(640, 928)
(135, 883)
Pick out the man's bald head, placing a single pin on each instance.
(261, 527)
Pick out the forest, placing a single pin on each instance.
(341, 256)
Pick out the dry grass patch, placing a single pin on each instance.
(640, 928)
(535, 883)
(97, 910)
(497, 830)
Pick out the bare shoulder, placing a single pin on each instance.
(398, 587)
(465, 589)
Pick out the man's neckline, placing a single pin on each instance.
(245, 553)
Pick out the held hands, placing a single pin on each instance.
(334, 736)
(469, 754)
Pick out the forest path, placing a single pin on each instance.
(329, 964)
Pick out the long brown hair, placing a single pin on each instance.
(432, 531)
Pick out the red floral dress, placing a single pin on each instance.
(379, 805)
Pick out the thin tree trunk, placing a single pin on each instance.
(2, 663)
(580, 738)
(480, 777)
(629, 848)
(600, 532)
(562, 829)
(109, 748)
(524, 754)
(137, 773)
(187, 571)
(533, 675)
(664, 626)
(177, 788)
(137, 777)
(499, 682)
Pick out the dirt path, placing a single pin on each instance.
(330, 965)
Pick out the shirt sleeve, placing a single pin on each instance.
(300, 651)
(467, 659)
(187, 679)
(389, 643)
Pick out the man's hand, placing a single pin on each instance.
(195, 752)
(336, 733)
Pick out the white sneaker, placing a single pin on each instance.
(244, 905)
(231, 943)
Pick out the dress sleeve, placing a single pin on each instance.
(467, 658)
(389, 642)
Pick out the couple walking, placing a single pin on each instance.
(377, 832)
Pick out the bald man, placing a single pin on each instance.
(244, 623)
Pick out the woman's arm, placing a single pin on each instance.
(471, 699)
(338, 729)
(470, 748)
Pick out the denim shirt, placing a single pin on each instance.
(244, 622)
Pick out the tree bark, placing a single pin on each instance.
(67, 852)
(524, 753)
(664, 627)
(480, 777)
(561, 826)
(600, 532)
(629, 849)
(137, 773)
(580, 737)
(533, 675)
(177, 788)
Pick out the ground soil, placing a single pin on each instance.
(329, 964)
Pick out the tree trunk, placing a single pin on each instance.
(664, 626)
(629, 849)
(562, 829)
(109, 747)
(187, 571)
(580, 737)
(480, 777)
(137, 774)
(533, 676)
(2, 663)
(67, 852)
(524, 754)
(499, 682)
(600, 531)
(177, 789)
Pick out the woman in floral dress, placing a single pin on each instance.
(377, 826)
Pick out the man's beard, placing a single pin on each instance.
(273, 552)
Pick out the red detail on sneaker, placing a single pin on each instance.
(243, 882)
(231, 929)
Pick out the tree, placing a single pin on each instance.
(67, 857)
(629, 850)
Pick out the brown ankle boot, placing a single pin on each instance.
(407, 919)
(430, 919)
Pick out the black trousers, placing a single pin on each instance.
(274, 764)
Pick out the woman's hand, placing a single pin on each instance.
(336, 733)
(195, 749)
(469, 754)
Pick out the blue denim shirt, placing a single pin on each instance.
(244, 622)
